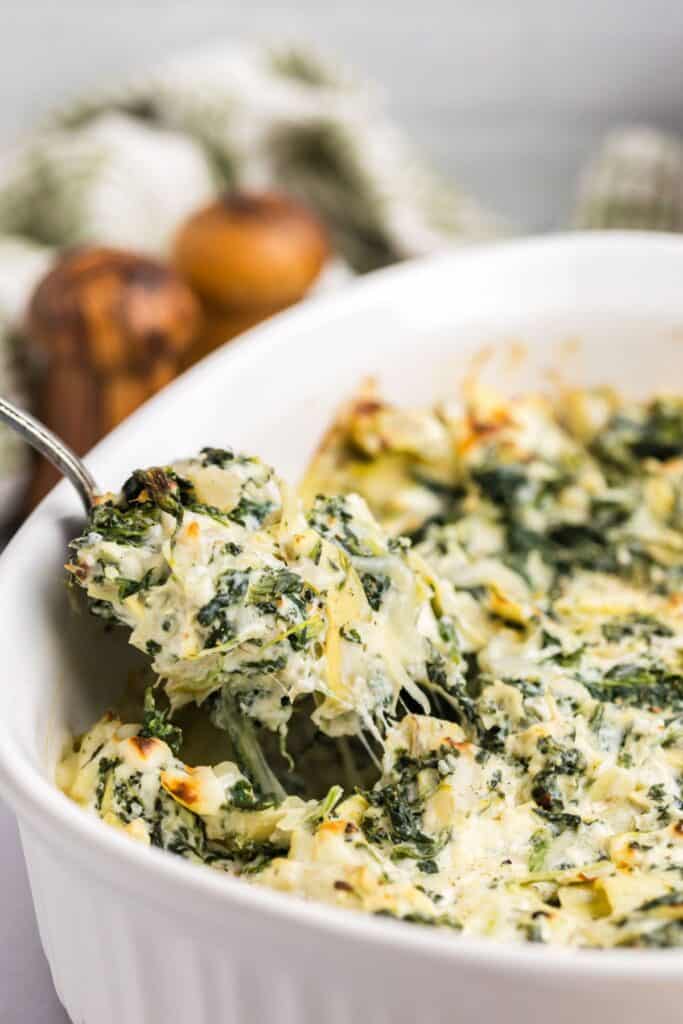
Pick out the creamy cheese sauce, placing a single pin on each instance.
(515, 664)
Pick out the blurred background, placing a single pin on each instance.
(508, 98)
(217, 161)
(173, 173)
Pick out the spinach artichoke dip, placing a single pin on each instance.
(444, 678)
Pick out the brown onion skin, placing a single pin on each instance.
(111, 327)
(251, 250)
(112, 309)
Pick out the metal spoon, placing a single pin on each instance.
(49, 445)
(67, 462)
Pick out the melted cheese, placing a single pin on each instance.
(534, 628)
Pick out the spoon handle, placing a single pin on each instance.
(49, 445)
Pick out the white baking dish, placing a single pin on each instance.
(140, 936)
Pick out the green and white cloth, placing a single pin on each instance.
(126, 166)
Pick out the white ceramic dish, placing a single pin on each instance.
(140, 936)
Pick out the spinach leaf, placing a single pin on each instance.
(155, 723)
